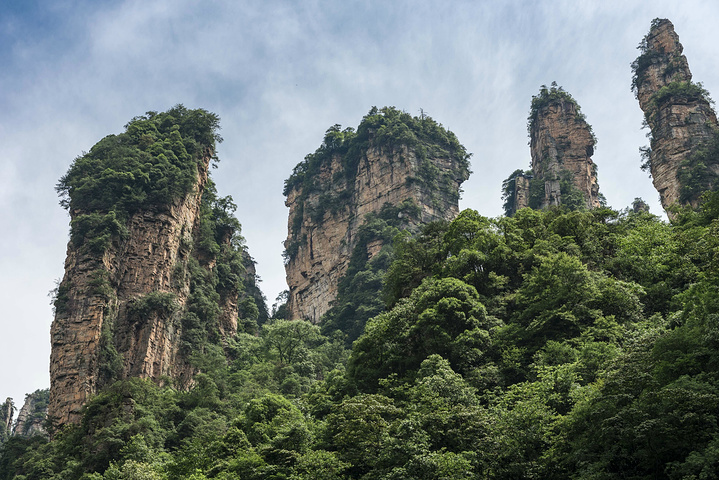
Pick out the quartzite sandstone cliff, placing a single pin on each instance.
(388, 161)
(121, 310)
(31, 417)
(148, 342)
(561, 145)
(682, 122)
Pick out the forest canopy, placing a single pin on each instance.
(552, 344)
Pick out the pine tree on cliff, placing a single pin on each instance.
(683, 156)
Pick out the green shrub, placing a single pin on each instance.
(148, 167)
(157, 302)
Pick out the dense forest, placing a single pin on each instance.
(546, 344)
(550, 344)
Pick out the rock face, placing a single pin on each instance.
(561, 145)
(152, 275)
(7, 412)
(101, 311)
(682, 122)
(359, 177)
(31, 417)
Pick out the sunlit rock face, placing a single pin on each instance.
(561, 141)
(561, 146)
(97, 316)
(680, 117)
(324, 221)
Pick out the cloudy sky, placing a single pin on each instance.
(279, 73)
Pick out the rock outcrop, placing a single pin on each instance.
(682, 157)
(391, 159)
(137, 261)
(7, 412)
(101, 309)
(561, 145)
(31, 417)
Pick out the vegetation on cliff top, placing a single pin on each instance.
(552, 344)
(648, 56)
(555, 94)
(153, 163)
(386, 128)
(389, 130)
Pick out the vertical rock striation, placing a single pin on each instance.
(561, 145)
(101, 315)
(31, 417)
(142, 272)
(392, 159)
(683, 155)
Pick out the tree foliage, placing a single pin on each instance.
(549, 344)
(393, 133)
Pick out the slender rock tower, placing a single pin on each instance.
(561, 144)
(7, 411)
(683, 157)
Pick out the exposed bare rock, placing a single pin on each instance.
(326, 212)
(682, 122)
(31, 417)
(100, 313)
(561, 145)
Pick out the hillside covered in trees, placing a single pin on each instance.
(552, 344)
(563, 342)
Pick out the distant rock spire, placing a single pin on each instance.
(32, 415)
(7, 411)
(561, 144)
(682, 158)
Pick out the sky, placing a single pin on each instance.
(279, 73)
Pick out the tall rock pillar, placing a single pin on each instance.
(561, 145)
(392, 159)
(682, 158)
(153, 268)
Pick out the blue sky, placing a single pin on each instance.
(279, 73)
